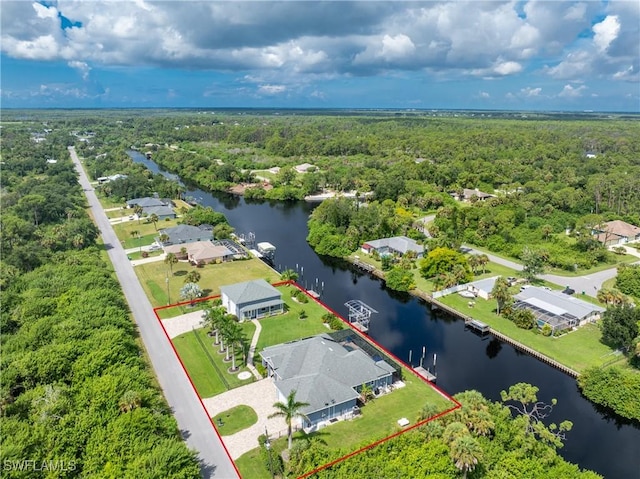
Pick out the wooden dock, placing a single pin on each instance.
(365, 266)
(479, 326)
(313, 294)
(428, 375)
(360, 327)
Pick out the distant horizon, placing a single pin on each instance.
(493, 55)
(292, 108)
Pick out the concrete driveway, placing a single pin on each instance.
(260, 396)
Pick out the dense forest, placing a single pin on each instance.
(77, 397)
(497, 440)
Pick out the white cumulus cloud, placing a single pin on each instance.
(570, 91)
(606, 32)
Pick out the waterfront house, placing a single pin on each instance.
(145, 202)
(325, 374)
(482, 288)
(162, 212)
(397, 245)
(251, 299)
(183, 234)
(560, 311)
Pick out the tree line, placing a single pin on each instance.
(76, 391)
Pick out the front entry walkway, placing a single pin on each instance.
(260, 396)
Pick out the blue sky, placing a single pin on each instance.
(519, 55)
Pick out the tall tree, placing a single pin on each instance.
(170, 260)
(154, 219)
(500, 293)
(620, 325)
(190, 292)
(290, 410)
(533, 262)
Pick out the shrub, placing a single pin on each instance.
(145, 254)
(547, 330)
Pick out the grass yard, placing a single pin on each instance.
(289, 326)
(378, 420)
(209, 379)
(235, 419)
(578, 350)
(153, 276)
(144, 227)
(138, 255)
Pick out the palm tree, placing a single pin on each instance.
(235, 336)
(500, 293)
(289, 410)
(154, 219)
(192, 276)
(288, 275)
(137, 209)
(366, 393)
(214, 318)
(474, 262)
(466, 453)
(171, 259)
(483, 260)
(136, 234)
(163, 238)
(130, 400)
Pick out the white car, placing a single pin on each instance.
(154, 247)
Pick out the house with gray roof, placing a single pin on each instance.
(145, 202)
(251, 299)
(325, 374)
(560, 311)
(182, 234)
(162, 212)
(398, 245)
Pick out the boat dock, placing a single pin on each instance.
(479, 326)
(313, 294)
(426, 374)
(360, 327)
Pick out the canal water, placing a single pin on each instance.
(405, 325)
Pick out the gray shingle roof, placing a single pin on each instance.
(557, 303)
(249, 291)
(397, 243)
(185, 234)
(145, 202)
(320, 369)
(158, 210)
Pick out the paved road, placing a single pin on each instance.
(193, 421)
(590, 284)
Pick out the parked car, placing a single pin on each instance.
(154, 247)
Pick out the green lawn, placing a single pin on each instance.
(153, 276)
(378, 420)
(144, 227)
(235, 419)
(578, 350)
(287, 327)
(138, 255)
(206, 377)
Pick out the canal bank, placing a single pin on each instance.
(406, 324)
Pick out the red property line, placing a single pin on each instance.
(365, 338)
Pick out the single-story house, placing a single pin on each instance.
(324, 374)
(162, 212)
(558, 310)
(399, 245)
(251, 299)
(183, 234)
(616, 232)
(483, 287)
(202, 252)
(469, 194)
(145, 202)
